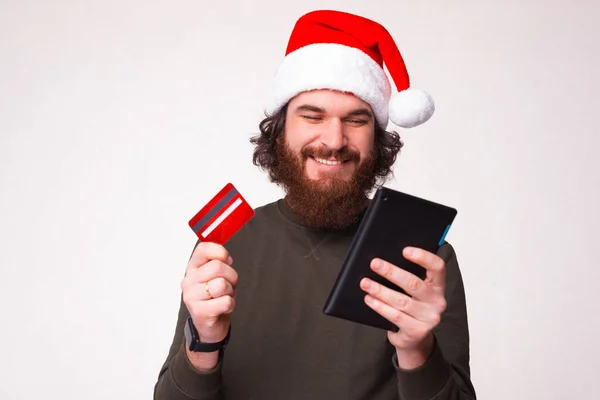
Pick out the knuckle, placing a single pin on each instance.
(212, 250)
(220, 252)
(414, 283)
(375, 288)
(219, 255)
(229, 303)
(202, 247)
(235, 278)
(220, 285)
(403, 303)
(439, 264)
(224, 253)
(385, 268)
(374, 303)
(397, 317)
(443, 305)
(211, 269)
(436, 319)
(221, 267)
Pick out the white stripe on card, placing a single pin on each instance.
(222, 217)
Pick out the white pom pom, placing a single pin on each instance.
(411, 107)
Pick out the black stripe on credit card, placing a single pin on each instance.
(215, 210)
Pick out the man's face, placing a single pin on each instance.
(326, 157)
(331, 132)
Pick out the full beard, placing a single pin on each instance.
(330, 202)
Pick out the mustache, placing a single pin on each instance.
(343, 154)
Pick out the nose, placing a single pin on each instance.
(333, 135)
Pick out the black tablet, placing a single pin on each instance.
(392, 221)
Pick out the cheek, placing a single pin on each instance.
(298, 134)
(364, 144)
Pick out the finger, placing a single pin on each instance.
(410, 283)
(209, 271)
(205, 252)
(214, 308)
(424, 312)
(396, 317)
(202, 291)
(218, 287)
(435, 266)
(409, 328)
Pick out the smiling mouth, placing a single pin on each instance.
(328, 162)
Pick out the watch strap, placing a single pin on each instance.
(194, 344)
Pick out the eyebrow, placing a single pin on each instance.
(354, 113)
(308, 107)
(360, 112)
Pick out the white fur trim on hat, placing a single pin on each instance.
(411, 107)
(332, 66)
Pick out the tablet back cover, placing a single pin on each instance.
(393, 221)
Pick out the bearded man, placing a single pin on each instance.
(254, 307)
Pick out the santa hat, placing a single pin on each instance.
(345, 52)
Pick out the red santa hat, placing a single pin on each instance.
(341, 51)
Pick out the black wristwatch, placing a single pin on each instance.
(193, 341)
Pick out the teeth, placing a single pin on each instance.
(327, 162)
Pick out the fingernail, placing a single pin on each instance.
(230, 260)
(408, 251)
(369, 300)
(377, 264)
(366, 284)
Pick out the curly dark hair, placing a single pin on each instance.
(388, 145)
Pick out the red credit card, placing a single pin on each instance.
(222, 217)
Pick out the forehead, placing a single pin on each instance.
(329, 100)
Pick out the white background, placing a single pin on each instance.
(120, 119)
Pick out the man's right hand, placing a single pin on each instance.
(209, 295)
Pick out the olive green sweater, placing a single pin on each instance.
(282, 346)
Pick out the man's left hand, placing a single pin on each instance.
(415, 315)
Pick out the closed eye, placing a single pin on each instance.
(357, 121)
(311, 118)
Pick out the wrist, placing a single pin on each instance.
(202, 362)
(194, 342)
(413, 357)
(211, 333)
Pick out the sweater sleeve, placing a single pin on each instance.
(178, 379)
(446, 374)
